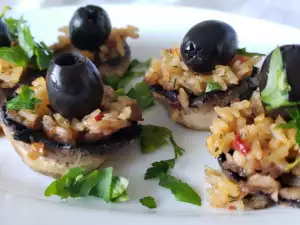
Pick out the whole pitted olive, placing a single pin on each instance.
(5, 39)
(74, 85)
(89, 27)
(208, 44)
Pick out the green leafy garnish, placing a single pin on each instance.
(25, 39)
(135, 69)
(43, 55)
(148, 202)
(212, 86)
(158, 169)
(112, 81)
(293, 123)
(4, 10)
(11, 25)
(181, 190)
(27, 49)
(244, 52)
(153, 137)
(25, 100)
(292, 165)
(120, 92)
(177, 149)
(14, 55)
(142, 94)
(99, 183)
(276, 92)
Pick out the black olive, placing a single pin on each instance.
(5, 39)
(74, 85)
(208, 44)
(89, 27)
(291, 62)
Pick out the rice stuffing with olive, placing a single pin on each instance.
(203, 72)
(256, 141)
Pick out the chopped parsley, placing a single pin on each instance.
(181, 190)
(25, 100)
(152, 138)
(27, 50)
(142, 94)
(98, 183)
(276, 92)
(244, 52)
(212, 86)
(148, 202)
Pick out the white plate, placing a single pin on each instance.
(21, 190)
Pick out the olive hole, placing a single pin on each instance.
(69, 59)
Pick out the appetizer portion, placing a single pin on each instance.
(207, 70)
(70, 119)
(256, 142)
(20, 54)
(90, 32)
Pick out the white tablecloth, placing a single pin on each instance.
(281, 11)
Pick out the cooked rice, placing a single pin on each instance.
(269, 147)
(171, 72)
(114, 47)
(117, 112)
(266, 141)
(9, 74)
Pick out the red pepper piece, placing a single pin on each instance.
(99, 116)
(238, 145)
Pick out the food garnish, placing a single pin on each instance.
(24, 100)
(212, 86)
(244, 52)
(77, 182)
(159, 135)
(27, 50)
(148, 202)
(181, 190)
(276, 92)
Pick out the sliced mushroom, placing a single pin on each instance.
(290, 196)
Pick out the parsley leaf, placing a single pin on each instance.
(158, 169)
(148, 202)
(25, 100)
(43, 55)
(136, 69)
(181, 190)
(276, 92)
(14, 55)
(11, 25)
(293, 123)
(120, 92)
(292, 165)
(4, 10)
(112, 81)
(212, 86)
(25, 39)
(143, 95)
(153, 137)
(244, 52)
(77, 182)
